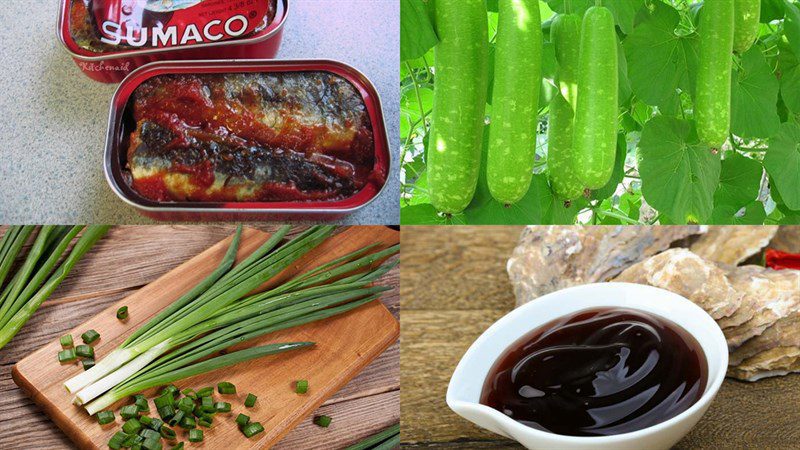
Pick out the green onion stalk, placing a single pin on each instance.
(220, 313)
(42, 271)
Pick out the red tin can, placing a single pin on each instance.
(115, 158)
(113, 66)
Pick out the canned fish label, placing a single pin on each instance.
(118, 25)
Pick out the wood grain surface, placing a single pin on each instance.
(131, 257)
(454, 285)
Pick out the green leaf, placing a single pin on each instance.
(772, 10)
(782, 162)
(752, 214)
(791, 25)
(754, 111)
(739, 181)
(625, 13)
(659, 61)
(424, 214)
(790, 81)
(679, 175)
(416, 31)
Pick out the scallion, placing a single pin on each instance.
(301, 386)
(186, 405)
(141, 403)
(190, 393)
(250, 401)
(390, 435)
(177, 447)
(90, 336)
(222, 407)
(252, 429)
(105, 417)
(226, 388)
(177, 418)
(205, 422)
(84, 351)
(168, 433)
(207, 405)
(221, 311)
(205, 392)
(122, 313)
(129, 412)
(323, 421)
(88, 363)
(43, 270)
(242, 420)
(195, 435)
(117, 440)
(132, 426)
(67, 355)
(188, 422)
(66, 341)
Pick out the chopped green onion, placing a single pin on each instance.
(132, 426)
(141, 403)
(178, 447)
(150, 434)
(67, 355)
(188, 423)
(226, 388)
(84, 351)
(196, 435)
(207, 405)
(250, 401)
(90, 336)
(170, 391)
(105, 417)
(66, 341)
(222, 407)
(252, 429)
(168, 433)
(117, 440)
(129, 412)
(242, 420)
(152, 443)
(205, 392)
(163, 400)
(323, 421)
(166, 412)
(156, 424)
(176, 419)
(190, 393)
(205, 422)
(301, 387)
(88, 363)
(186, 404)
(146, 421)
(122, 313)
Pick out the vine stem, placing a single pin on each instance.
(614, 215)
(419, 97)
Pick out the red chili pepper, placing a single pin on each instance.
(779, 260)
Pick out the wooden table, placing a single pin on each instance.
(454, 285)
(132, 256)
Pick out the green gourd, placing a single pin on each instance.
(713, 103)
(747, 15)
(517, 79)
(460, 89)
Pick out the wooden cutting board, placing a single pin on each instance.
(345, 345)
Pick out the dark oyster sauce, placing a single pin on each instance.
(598, 372)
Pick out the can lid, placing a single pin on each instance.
(135, 24)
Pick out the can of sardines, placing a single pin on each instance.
(246, 140)
(108, 39)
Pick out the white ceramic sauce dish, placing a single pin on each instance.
(464, 391)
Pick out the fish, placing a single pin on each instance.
(290, 136)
